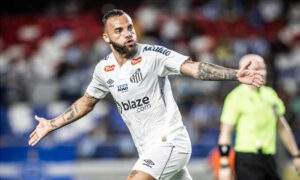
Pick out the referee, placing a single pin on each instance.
(255, 114)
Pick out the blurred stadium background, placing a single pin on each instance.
(48, 50)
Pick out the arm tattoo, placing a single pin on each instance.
(133, 173)
(213, 72)
(70, 114)
(52, 123)
(75, 107)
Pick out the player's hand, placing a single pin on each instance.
(250, 77)
(225, 174)
(41, 130)
(297, 164)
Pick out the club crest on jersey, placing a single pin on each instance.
(136, 60)
(109, 68)
(137, 76)
(110, 83)
(123, 87)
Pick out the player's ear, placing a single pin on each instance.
(105, 37)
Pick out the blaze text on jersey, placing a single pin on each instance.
(138, 104)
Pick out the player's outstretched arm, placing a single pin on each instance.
(81, 107)
(212, 72)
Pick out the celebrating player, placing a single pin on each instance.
(137, 77)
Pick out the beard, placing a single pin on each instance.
(123, 49)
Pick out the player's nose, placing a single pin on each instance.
(128, 35)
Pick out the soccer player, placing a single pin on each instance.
(255, 114)
(137, 77)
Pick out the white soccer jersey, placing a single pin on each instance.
(142, 92)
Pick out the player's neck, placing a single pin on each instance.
(122, 58)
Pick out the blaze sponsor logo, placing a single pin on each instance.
(136, 60)
(139, 105)
(123, 87)
(109, 68)
(137, 76)
(110, 83)
(158, 49)
(148, 162)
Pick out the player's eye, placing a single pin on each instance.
(118, 30)
(130, 28)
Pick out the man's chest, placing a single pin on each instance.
(129, 80)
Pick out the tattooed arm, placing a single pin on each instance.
(81, 107)
(212, 72)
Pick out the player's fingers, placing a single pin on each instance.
(255, 84)
(258, 80)
(262, 82)
(246, 66)
(37, 118)
(260, 77)
(33, 133)
(248, 73)
(33, 140)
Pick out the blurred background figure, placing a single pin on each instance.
(255, 114)
(48, 45)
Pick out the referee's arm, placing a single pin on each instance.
(287, 138)
(225, 140)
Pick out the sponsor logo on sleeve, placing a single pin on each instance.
(123, 87)
(139, 105)
(110, 83)
(136, 76)
(136, 60)
(158, 49)
(109, 68)
(148, 162)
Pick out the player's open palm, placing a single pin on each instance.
(250, 77)
(41, 130)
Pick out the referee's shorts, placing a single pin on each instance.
(250, 166)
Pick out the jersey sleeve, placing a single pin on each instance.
(230, 110)
(168, 62)
(97, 88)
(280, 108)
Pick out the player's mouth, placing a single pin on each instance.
(130, 42)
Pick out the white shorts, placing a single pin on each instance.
(164, 162)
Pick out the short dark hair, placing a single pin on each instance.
(111, 13)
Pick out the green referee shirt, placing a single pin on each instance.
(252, 114)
